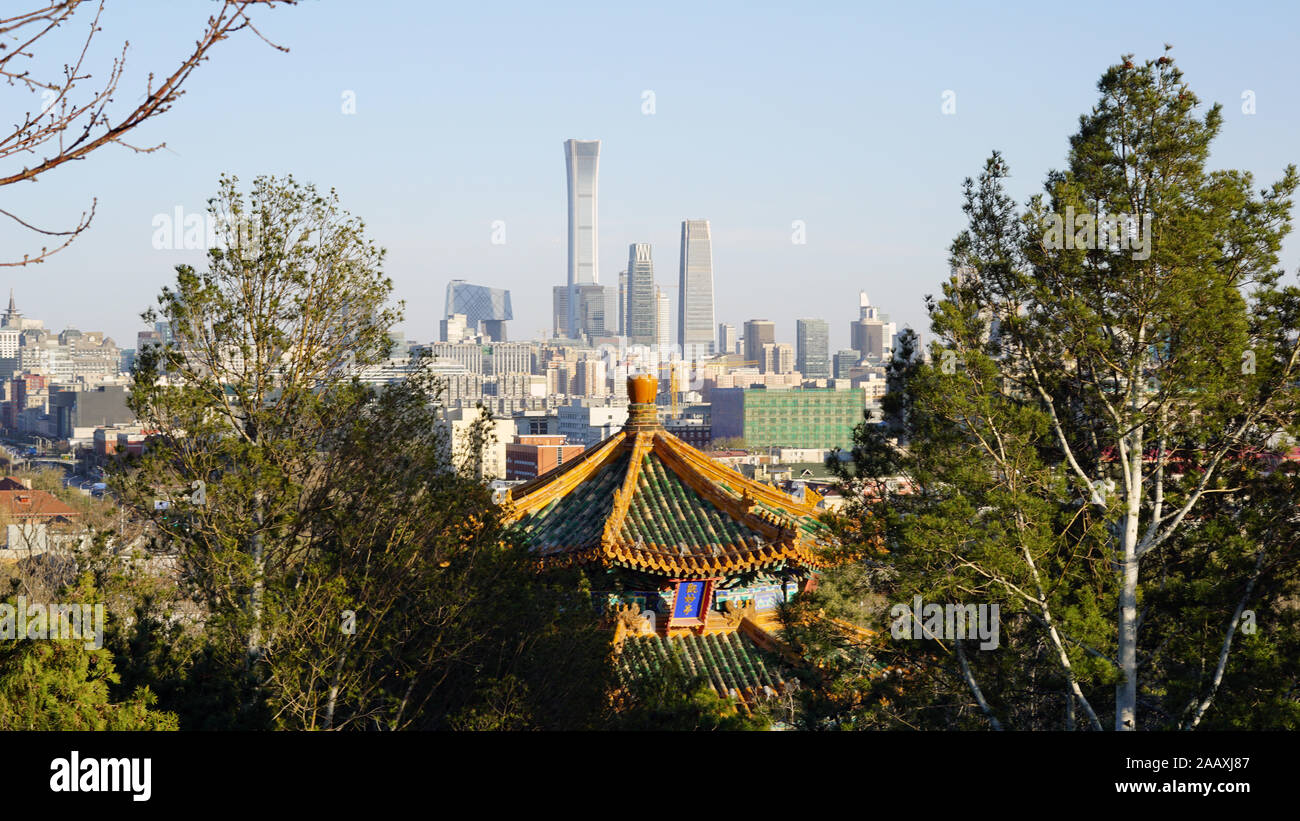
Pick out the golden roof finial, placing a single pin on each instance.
(642, 388)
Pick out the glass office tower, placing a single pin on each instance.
(695, 290)
(582, 164)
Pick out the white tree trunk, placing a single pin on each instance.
(1127, 633)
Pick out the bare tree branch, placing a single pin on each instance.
(66, 129)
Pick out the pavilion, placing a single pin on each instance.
(687, 554)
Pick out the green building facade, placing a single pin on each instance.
(795, 418)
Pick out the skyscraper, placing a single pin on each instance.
(812, 343)
(726, 338)
(695, 290)
(486, 310)
(560, 309)
(845, 361)
(582, 162)
(597, 309)
(758, 332)
(871, 334)
(663, 334)
(453, 329)
(642, 313)
(622, 303)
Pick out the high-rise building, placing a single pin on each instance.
(453, 329)
(695, 290)
(143, 339)
(591, 378)
(486, 309)
(642, 314)
(560, 377)
(622, 303)
(597, 309)
(560, 310)
(13, 318)
(9, 340)
(663, 318)
(844, 362)
(582, 164)
(787, 418)
(812, 344)
(778, 357)
(727, 338)
(758, 332)
(871, 334)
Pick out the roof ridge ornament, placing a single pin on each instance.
(642, 413)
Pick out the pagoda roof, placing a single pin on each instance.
(733, 665)
(645, 500)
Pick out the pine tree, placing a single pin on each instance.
(1087, 441)
(66, 683)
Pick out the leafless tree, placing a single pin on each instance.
(77, 116)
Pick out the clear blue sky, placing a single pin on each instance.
(765, 114)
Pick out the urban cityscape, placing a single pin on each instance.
(721, 383)
(894, 440)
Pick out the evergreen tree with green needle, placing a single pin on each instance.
(63, 684)
(1092, 439)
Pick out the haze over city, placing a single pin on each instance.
(755, 120)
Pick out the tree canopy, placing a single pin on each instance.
(1094, 437)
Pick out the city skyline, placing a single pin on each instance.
(724, 135)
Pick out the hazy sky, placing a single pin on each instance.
(764, 114)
